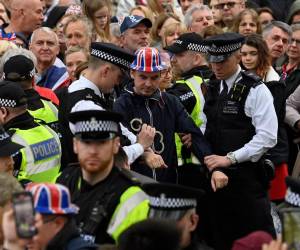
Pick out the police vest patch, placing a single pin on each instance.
(45, 149)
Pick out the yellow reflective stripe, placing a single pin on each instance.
(48, 114)
(46, 169)
(194, 83)
(133, 207)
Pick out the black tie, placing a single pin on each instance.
(224, 91)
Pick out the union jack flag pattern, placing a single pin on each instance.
(52, 199)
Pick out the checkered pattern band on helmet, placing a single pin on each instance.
(224, 49)
(172, 203)
(292, 198)
(96, 126)
(197, 47)
(110, 58)
(7, 103)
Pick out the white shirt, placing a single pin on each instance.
(133, 151)
(259, 106)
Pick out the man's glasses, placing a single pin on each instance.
(293, 40)
(229, 5)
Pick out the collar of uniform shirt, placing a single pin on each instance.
(86, 83)
(230, 81)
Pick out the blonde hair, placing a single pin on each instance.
(8, 186)
(171, 29)
(90, 7)
(146, 11)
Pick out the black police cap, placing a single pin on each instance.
(95, 124)
(172, 197)
(18, 68)
(7, 147)
(223, 45)
(11, 95)
(188, 41)
(112, 53)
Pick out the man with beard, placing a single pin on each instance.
(109, 199)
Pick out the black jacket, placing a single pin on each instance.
(105, 193)
(164, 112)
(69, 239)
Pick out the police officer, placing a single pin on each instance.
(39, 160)
(241, 127)
(177, 203)
(7, 149)
(108, 198)
(19, 68)
(93, 91)
(189, 60)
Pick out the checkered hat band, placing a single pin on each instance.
(197, 47)
(172, 202)
(96, 126)
(292, 198)
(110, 58)
(8, 103)
(224, 49)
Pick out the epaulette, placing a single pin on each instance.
(129, 176)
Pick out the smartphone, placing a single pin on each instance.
(24, 214)
(290, 218)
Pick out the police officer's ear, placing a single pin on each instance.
(104, 70)
(3, 114)
(75, 145)
(132, 74)
(116, 144)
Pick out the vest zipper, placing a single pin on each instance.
(151, 123)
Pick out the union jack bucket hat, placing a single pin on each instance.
(52, 199)
(147, 59)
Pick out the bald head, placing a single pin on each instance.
(26, 16)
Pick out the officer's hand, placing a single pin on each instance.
(216, 161)
(146, 136)
(186, 139)
(275, 245)
(218, 180)
(154, 160)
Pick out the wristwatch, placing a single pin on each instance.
(232, 158)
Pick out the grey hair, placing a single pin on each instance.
(281, 25)
(87, 23)
(14, 52)
(47, 30)
(188, 19)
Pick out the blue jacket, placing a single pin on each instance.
(164, 112)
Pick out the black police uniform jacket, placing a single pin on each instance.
(242, 206)
(164, 112)
(67, 102)
(104, 196)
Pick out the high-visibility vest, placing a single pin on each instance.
(194, 83)
(133, 207)
(48, 113)
(41, 153)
